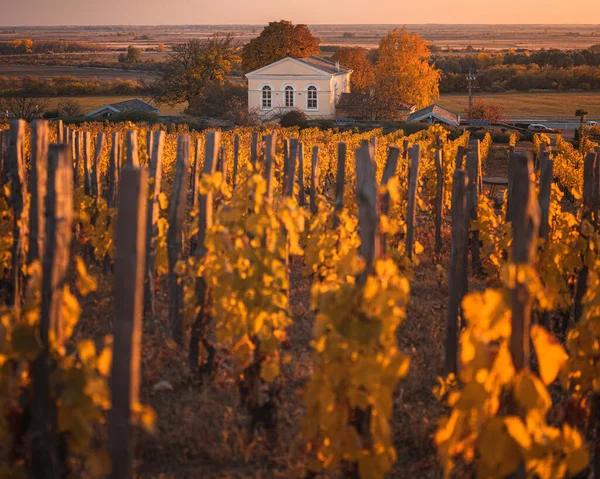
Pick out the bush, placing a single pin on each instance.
(293, 118)
(69, 107)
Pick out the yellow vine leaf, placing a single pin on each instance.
(551, 355)
(86, 284)
(98, 463)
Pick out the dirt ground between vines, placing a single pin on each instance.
(202, 432)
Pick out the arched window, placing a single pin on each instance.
(289, 96)
(266, 103)
(312, 102)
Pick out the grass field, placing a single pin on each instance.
(536, 103)
(90, 103)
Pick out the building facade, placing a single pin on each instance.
(312, 85)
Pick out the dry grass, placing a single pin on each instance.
(534, 103)
(90, 103)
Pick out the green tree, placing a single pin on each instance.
(278, 40)
(363, 74)
(404, 73)
(192, 68)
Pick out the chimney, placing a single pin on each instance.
(337, 66)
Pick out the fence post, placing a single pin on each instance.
(40, 140)
(389, 171)
(270, 142)
(460, 155)
(589, 201)
(339, 183)
(366, 198)
(175, 236)
(87, 164)
(546, 175)
(127, 329)
(114, 170)
(525, 224)
(96, 183)
(205, 215)
(301, 193)
(46, 460)
(290, 169)
(457, 275)
(314, 179)
(254, 148)
(132, 158)
(236, 159)
(18, 190)
(414, 155)
(77, 157)
(473, 202)
(59, 132)
(439, 197)
(154, 181)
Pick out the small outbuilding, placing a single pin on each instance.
(435, 114)
(106, 111)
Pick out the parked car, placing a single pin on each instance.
(591, 123)
(539, 128)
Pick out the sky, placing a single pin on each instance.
(203, 12)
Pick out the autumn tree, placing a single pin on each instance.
(363, 74)
(278, 40)
(25, 107)
(489, 111)
(404, 73)
(192, 68)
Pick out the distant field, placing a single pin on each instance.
(536, 104)
(49, 71)
(90, 103)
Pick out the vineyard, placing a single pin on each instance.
(296, 303)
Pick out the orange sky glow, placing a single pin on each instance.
(177, 12)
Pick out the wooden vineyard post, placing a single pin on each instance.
(59, 132)
(546, 175)
(414, 155)
(525, 225)
(114, 170)
(314, 179)
(205, 219)
(87, 164)
(127, 327)
(154, 182)
(236, 159)
(473, 192)
(458, 274)
(46, 459)
(18, 190)
(366, 198)
(460, 155)
(149, 144)
(301, 192)
(175, 235)
(439, 195)
(40, 138)
(389, 171)
(509, 192)
(590, 192)
(223, 163)
(132, 158)
(96, 183)
(270, 142)
(288, 188)
(77, 157)
(339, 183)
(195, 186)
(254, 148)
(286, 160)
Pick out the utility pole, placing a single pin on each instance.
(470, 79)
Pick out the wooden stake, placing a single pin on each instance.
(301, 192)
(40, 139)
(270, 142)
(132, 158)
(439, 195)
(391, 166)
(175, 237)
(366, 197)
(236, 159)
(339, 183)
(414, 154)
(473, 192)
(314, 179)
(114, 170)
(87, 164)
(127, 327)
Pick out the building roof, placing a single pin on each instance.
(438, 112)
(134, 104)
(325, 65)
(313, 62)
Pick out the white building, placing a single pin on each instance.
(312, 85)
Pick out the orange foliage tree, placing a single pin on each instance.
(278, 40)
(481, 110)
(363, 74)
(404, 73)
